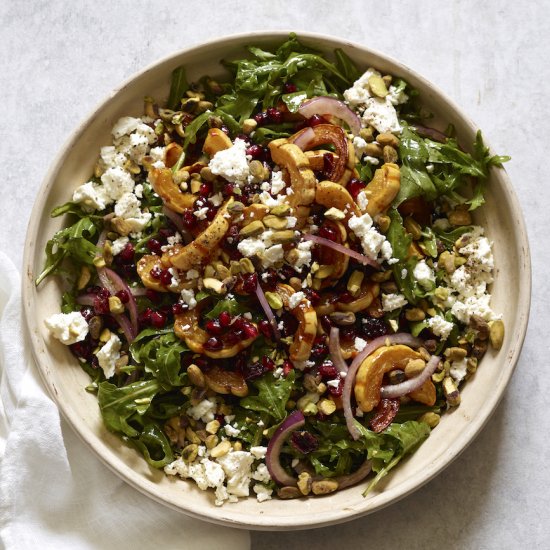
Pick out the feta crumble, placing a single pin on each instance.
(393, 301)
(231, 163)
(109, 354)
(68, 328)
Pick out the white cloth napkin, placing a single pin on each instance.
(54, 493)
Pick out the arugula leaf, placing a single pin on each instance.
(346, 66)
(119, 405)
(154, 445)
(159, 351)
(273, 394)
(231, 305)
(178, 87)
(74, 243)
(448, 238)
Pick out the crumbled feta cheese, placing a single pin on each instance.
(251, 246)
(371, 160)
(303, 255)
(381, 115)
(459, 369)
(192, 274)
(258, 452)
(68, 328)
(360, 146)
(237, 467)
(397, 97)
(362, 201)
(138, 191)
(216, 200)
(359, 92)
(108, 355)
(295, 299)
(127, 207)
(291, 222)
(201, 213)
(231, 431)
(261, 473)
(268, 200)
(272, 255)
(205, 410)
(231, 163)
(404, 273)
(188, 297)
(157, 154)
(277, 182)
(334, 383)
(373, 242)
(118, 245)
(175, 281)
(91, 196)
(424, 274)
(440, 327)
(393, 301)
(125, 126)
(359, 344)
(110, 157)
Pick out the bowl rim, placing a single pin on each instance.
(223, 515)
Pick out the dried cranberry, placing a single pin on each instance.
(250, 283)
(158, 319)
(82, 349)
(213, 344)
(355, 186)
(265, 328)
(228, 189)
(315, 120)
(243, 137)
(290, 325)
(165, 233)
(166, 277)
(233, 337)
(327, 370)
(319, 348)
(126, 255)
(123, 296)
(211, 213)
(205, 189)
(372, 327)
(287, 367)
(336, 391)
(328, 232)
(286, 272)
(156, 272)
(153, 295)
(289, 88)
(304, 442)
(214, 327)
(253, 371)
(255, 151)
(270, 278)
(345, 298)
(268, 363)
(154, 246)
(101, 305)
(326, 323)
(348, 333)
(313, 296)
(178, 308)
(87, 313)
(385, 412)
(225, 318)
(188, 218)
(144, 317)
(261, 118)
(274, 115)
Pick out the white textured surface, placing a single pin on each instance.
(59, 59)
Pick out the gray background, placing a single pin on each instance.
(59, 59)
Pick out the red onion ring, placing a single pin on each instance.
(352, 479)
(331, 106)
(85, 299)
(336, 351)
(303, 140)
(399, 338)
(120, 284)
(361, 258)
(278, 474)
(268, 311)
(398, 390)
(432, 133)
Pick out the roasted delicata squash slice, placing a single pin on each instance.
(369, 291)
(172, 196)
(216, 140)
(368, 380)
(199, 251)
(150, 262)
(383, 188)
(186, 327)
(307, 329)
(333, 195)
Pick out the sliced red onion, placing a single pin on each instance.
(177, 220)
(305, 138)
(354, 478)
(432, 133)
(398, 390)
(85, 299)
(336, 351)
(331, 106)
(268, 311)
(278, 474)
(365, 260)
(120, 284)
(399, 338)
(104, 280)
(126, 326)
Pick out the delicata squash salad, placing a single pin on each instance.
(274, 280)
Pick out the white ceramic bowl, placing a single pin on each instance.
(501, 217)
